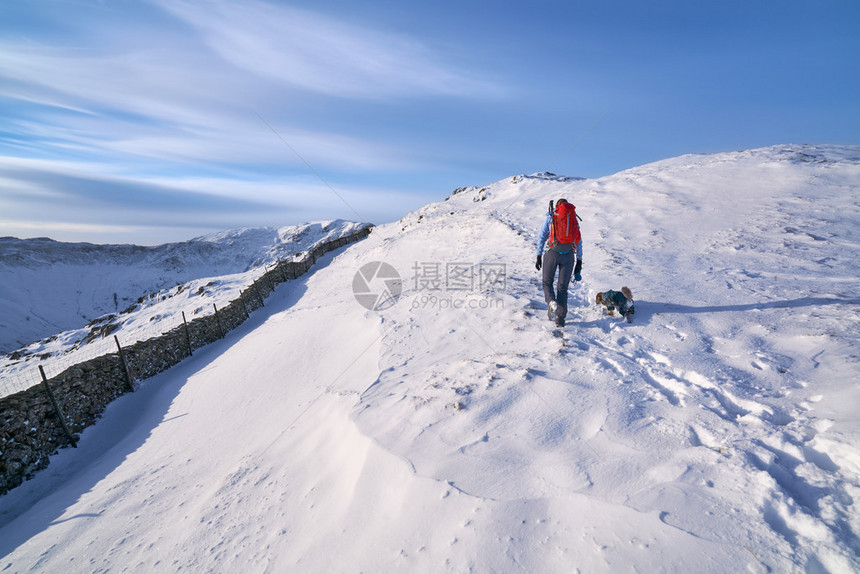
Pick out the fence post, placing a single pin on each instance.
(244, 306)
(187, 335)
(124, 365)
(218, 318)
(257, 293)
(60, 416)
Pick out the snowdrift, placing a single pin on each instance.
(453, 428)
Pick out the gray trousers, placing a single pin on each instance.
(564, 264)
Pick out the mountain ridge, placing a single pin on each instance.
(48, 286)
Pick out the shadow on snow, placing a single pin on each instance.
(645, 310)
(132, 418)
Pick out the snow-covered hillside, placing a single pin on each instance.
(455, 429)
(47, 287)
(87, 291)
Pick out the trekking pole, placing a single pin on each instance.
(551, 222)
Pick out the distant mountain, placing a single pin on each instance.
(47, 286)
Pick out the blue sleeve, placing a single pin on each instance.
(579, 250)
(544, 234)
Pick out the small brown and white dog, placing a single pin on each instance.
(621, 300)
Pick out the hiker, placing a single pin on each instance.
(620, 300)
(563, 254)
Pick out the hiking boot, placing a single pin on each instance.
(559, 322)
(551, 310)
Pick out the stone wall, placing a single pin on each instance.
(30, 430)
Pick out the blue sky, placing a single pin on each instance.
(154, 121)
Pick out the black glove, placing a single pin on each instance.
(539, 262)
(576, 271)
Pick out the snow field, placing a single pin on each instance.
(696, 413)
(715, 433)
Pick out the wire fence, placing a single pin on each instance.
(153, 318)
(22, 371)
(21, 374)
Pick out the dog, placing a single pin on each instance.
(620, 300)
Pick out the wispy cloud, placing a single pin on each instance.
(227, 141)
(49, 187)
(53, 227)
(193, 97)
(322, 54)
(71, 198)
(150, 115)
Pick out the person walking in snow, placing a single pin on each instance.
(563, 254)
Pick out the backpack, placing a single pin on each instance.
(565, 228)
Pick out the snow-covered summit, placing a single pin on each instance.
(230, 251)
